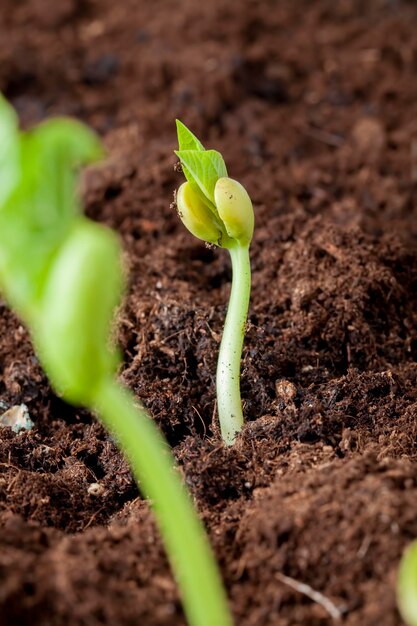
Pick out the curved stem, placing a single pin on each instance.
(229, 402)
(186, 543)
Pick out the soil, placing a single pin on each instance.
(314, 106)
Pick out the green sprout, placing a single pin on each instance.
(407, 585)
(218, 210)
(62, 274)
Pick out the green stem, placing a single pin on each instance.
(229, 403)
(186, 543)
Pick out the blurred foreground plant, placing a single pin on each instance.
(218, 210)
(62, 274)
(407, 585)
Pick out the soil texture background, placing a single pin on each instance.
(314, 107)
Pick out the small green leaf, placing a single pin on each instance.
(203, 169)
(186, 139)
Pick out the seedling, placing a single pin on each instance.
(407, 585)
(218, 210)
(62, 274)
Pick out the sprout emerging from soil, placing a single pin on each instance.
(62, 274)
(218, 210)
(407, 585)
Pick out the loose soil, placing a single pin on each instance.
(314, 106)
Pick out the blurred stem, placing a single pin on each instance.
(185, 540)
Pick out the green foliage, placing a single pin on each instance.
(62, 274)
(79, 358)
(219, 202)
(218, 210)
(186, 139)
(38, 204)
(203, 170)
(54, 264)
(407, 585)
(9, 150)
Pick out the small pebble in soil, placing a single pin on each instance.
(285, 390)
(95, 489)
(17, 418)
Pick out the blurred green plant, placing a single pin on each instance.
(407, 585)
(218, 210)
(62, 275)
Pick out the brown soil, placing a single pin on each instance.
(314, 105)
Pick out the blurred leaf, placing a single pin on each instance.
(407, 585)
(83, 288)
(38, 210)
(9, 149)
